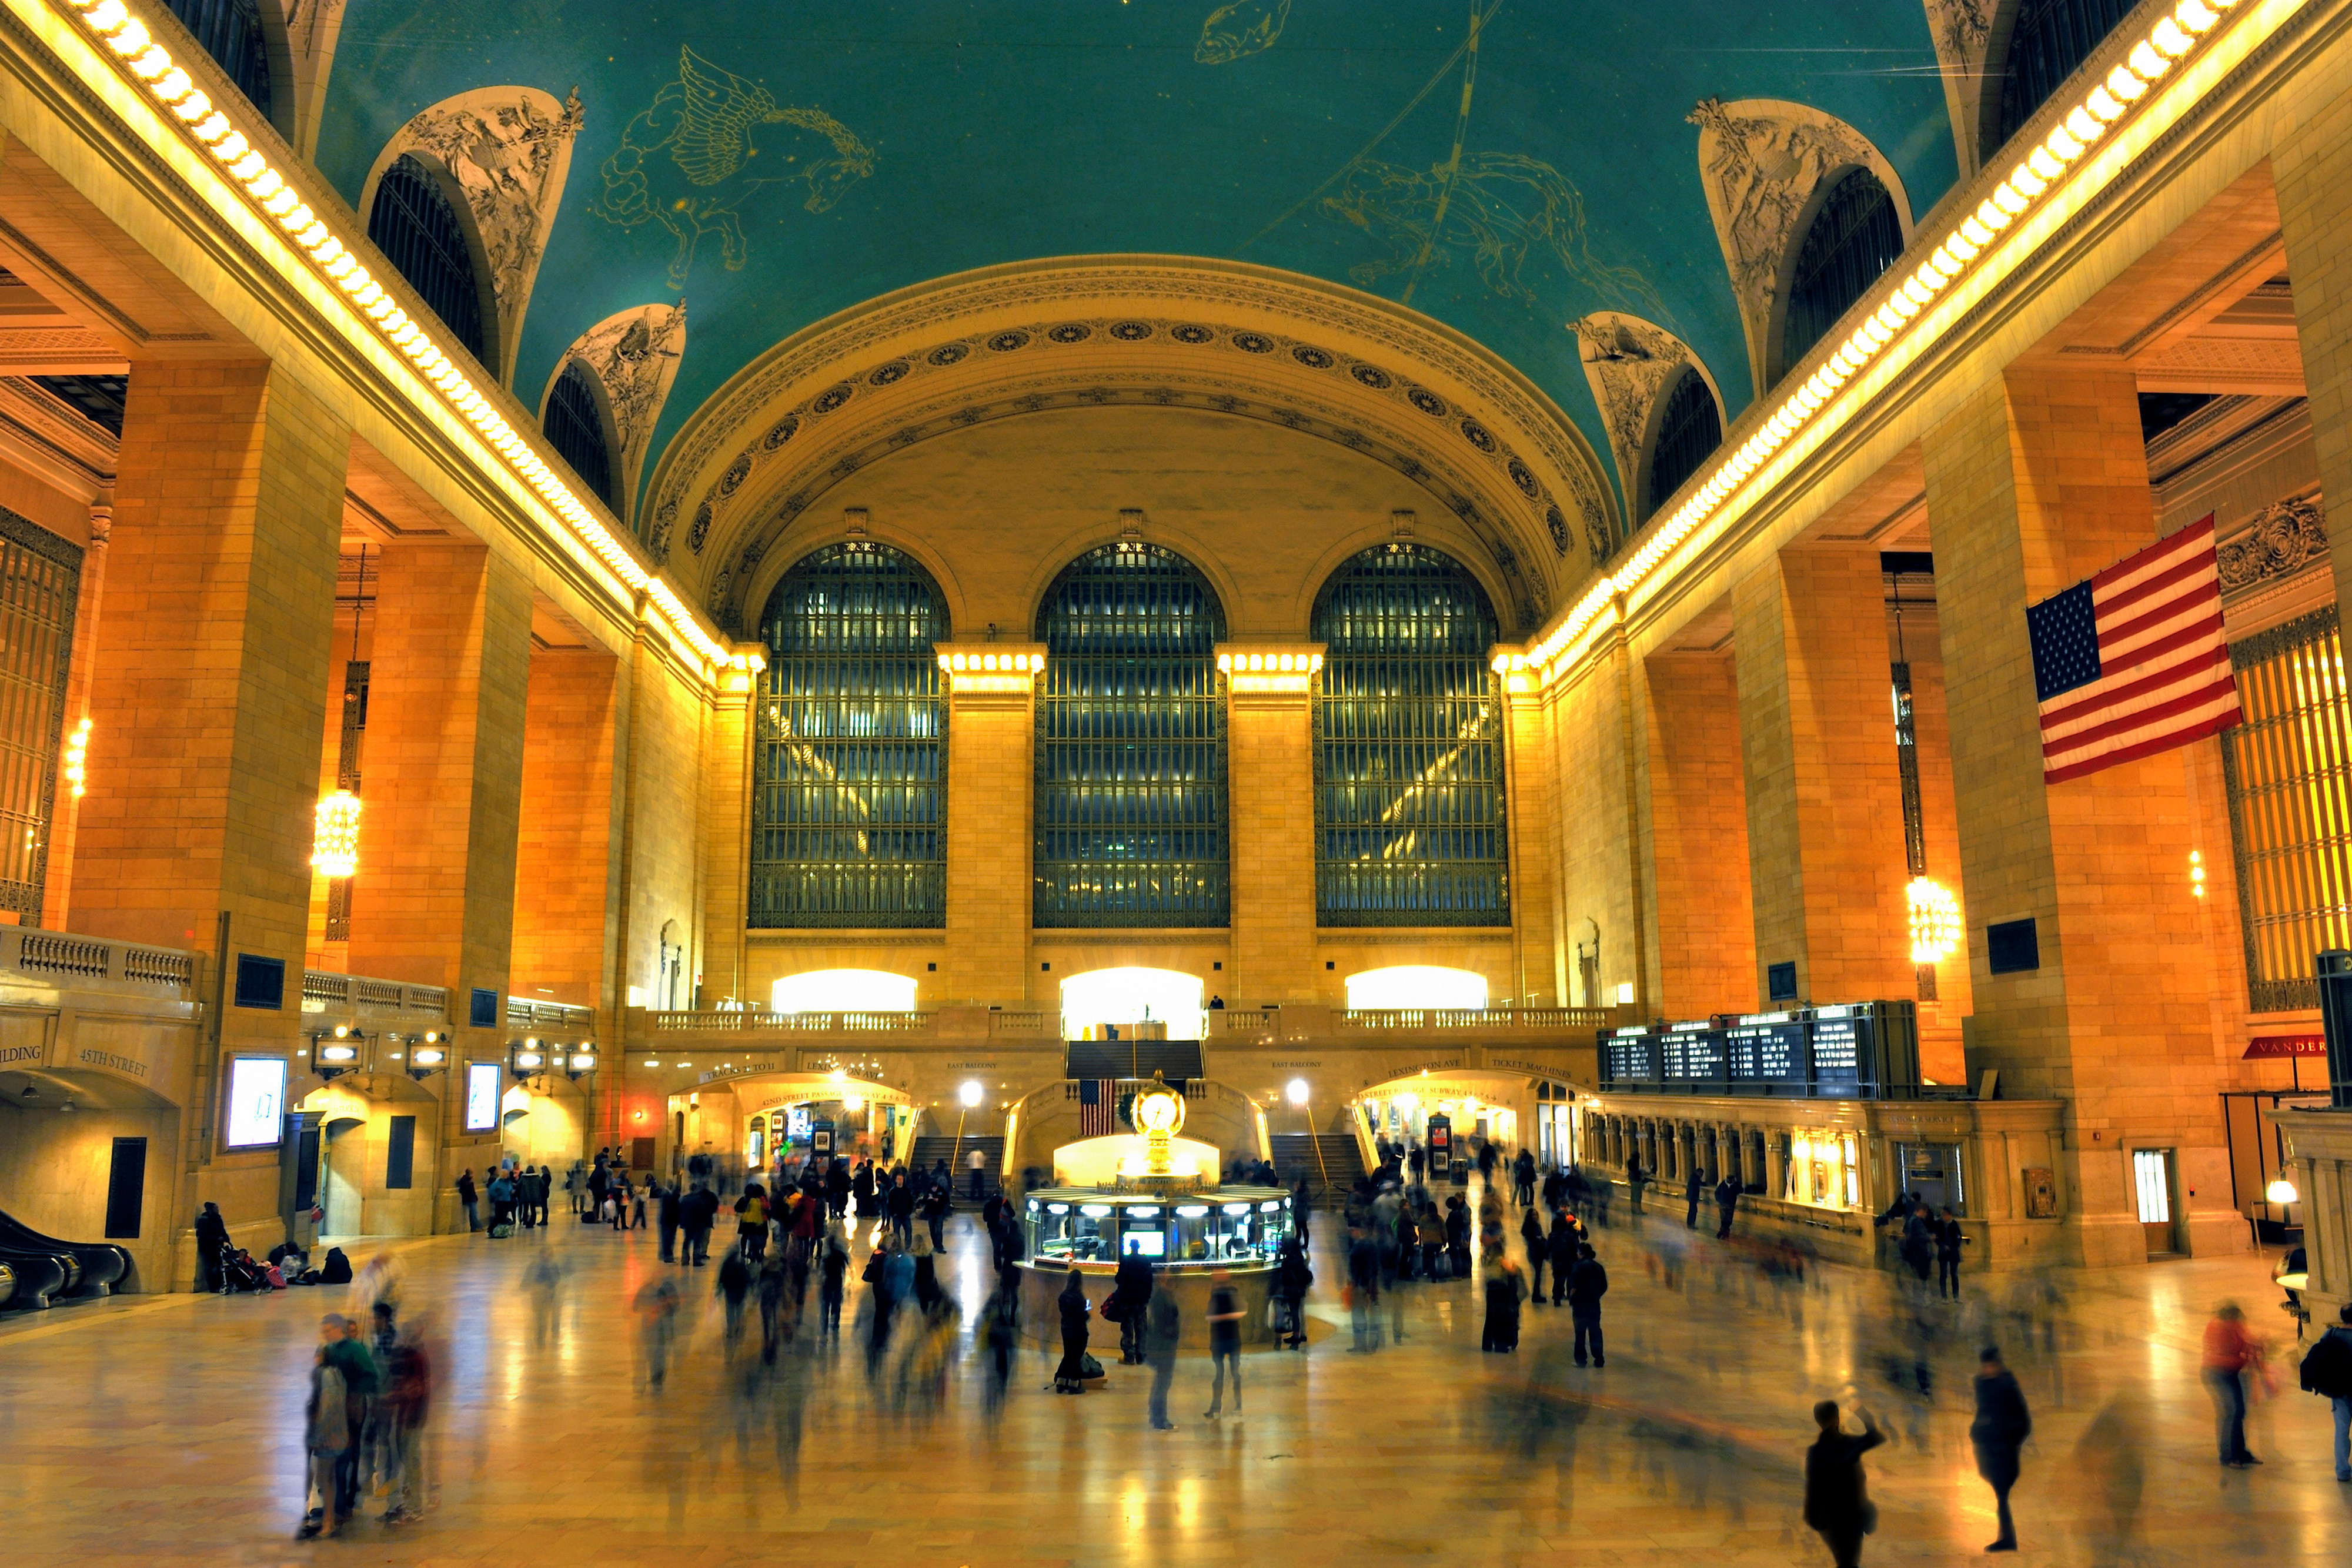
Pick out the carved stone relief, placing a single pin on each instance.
(1627, 362)
(1761, 160)
(633, 354)
(510, 148)
(2281, 540)
(1963, 33)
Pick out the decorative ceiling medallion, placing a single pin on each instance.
(1070, 332)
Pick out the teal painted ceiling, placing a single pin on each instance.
(832, 153)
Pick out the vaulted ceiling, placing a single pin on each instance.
(771, 166)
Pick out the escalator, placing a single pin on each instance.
(40, 1268)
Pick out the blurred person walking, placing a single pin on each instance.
(1635, 1179)
(1726, 1200)
(666, 1218)
(2230, 1353)
(1531, 1231)
(1130, 1296)
(2000, 1429)
(543, 1279)
(1691, 1188)
(2326, 1371)
(657, 1309)
(349, 1355)
(1224, 1341)
(735, 1286)
(469, 1199)
(697, 1212)
(326, 1432)
(1291, 1281)
(1507, 1287)
(1363, 1291)
(1562, 1248)
(407, 1401)
(1163, 1327)
(1837, 1495)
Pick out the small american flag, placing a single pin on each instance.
(1097, 1108)
(2132, 661)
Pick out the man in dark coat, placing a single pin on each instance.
(1588, 1281)
(1837, 1500)
(2000, 1429)
(697, 1211)
(212, 1250)
(1726, 1201)
(666, 1213)
(1692, 1189)
(1130, 1294)
(1562, 1248)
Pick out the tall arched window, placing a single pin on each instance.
(849, 776)
(1130, 797)
(1408, 745)
(575, 421)
(420, 234)
(1690, 427)
(230, 31)
(2048, 40)
(1855, 237)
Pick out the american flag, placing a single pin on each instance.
(1097, 1108)
(2132, 661)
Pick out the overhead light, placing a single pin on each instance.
(335, 836)
(2281, 1190)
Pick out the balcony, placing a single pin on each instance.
(549, 1018)
(56, 960)
(352, 999)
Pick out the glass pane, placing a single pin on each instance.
(40, 577)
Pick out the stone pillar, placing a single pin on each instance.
(1698, 838)
(1539, 918)
(1824, 797)
(2034, 484)
(1270, 745)
(208, 685)
(566, 884)
(2311, 168)
(727, 792)
(64, 813)
(992, 773)
(1776, 1165)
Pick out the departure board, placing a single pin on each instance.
(1837, 1041)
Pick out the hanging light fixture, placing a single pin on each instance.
(2281, 1190)
(335, 839)
(1934, 921)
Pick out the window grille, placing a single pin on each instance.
(40, 580)
(1855, 237)
(1408, 745)
(230, 31)
(576, 424)
(421, 235)
(2048, 41)
(1689, 429)
(98, 399)
(1130, 797)
(2287, 767)
(849, 783)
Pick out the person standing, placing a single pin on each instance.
(1163, 1327)
(1691, 1189)
(1563, 1246)
(1131, 1289)
(656, 1308)
(1949, 1239)
(752, 1221)
(1531, 1231)
(1507, 1286)
(326, 1432)
(697, 1212)
(1837, 1496)
(1224, 1341)
(1292, 1279)
(832, 1276)
(502, 1202)
(637, 1205)
(937, 1201)
(901, 1204)
(2326, 1371)
(1069, 1376)
(2000, 1429)
(976, 1164)
(468, 1197)
(1588, 1281)
(1635, 1179)
(666, 1213)
(212, 1250)
(735, 1285)
(1726, 1201)
(2230, 1351)
(1522, 1179)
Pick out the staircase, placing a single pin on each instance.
(1295, 1157)
(929, 1152)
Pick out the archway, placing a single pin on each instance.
(1418, 986)
(343, 1192)
(1102, 1000)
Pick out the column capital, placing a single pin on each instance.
(1258, 667)
(739, 677)
(1521, 677)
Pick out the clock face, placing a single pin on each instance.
(1159, 1113)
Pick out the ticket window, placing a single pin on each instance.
(1824, 1169)
(1931, 1172)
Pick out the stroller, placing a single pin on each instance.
(243, 1273)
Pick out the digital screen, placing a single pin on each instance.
(1150, 1243)
(482, 1097)
(257, 1102)
(1835, 1040)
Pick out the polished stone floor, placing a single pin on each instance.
(168, 1429)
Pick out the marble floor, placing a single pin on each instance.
(168, 1429)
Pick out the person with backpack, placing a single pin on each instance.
(1588, 1281)
(2327, 1371)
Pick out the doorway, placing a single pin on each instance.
(345, 1171)
(2152, 1182)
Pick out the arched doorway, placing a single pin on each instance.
(343, 1172)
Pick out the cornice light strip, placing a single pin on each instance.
(211, 127)
(2044, 170)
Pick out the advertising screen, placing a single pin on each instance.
(257, 1102)
(482, 1097)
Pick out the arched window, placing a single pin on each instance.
(575, 421)
(849, 775)
(419, 233)
(1689, 428)
(1130, 797)
(230, 31)
(2048, 40)
(1408, 745)
(1855, 237)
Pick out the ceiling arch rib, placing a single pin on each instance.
(1482, 441)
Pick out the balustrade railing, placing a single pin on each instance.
(61, 958)
(743, 1021)
(324, 991)
(557, 1017)
(1495, 1019)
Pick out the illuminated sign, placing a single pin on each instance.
(482, 1097)
(257, 1102)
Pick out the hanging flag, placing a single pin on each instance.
(2132, 661)
(1097, 1108)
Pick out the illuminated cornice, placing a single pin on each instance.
(985, 667)
(1269, 669)
(2162, 77)
(255, 196)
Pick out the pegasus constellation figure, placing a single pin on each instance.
(686, 162)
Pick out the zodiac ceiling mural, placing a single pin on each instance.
(1506, 167)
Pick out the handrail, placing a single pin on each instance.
(62, 957)
(1024, 1023)
(324, 991)
(1496, 1018)
(525, 1013)
(740, 1021)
